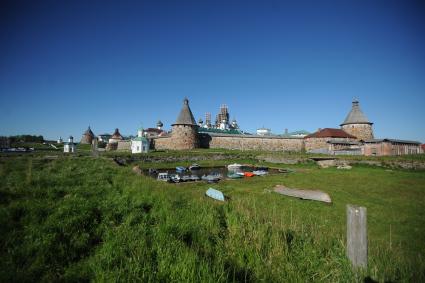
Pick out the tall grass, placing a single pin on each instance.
(83, 219)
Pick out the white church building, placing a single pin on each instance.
(140, 144)
(69, 147)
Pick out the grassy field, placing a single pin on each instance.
(86, 219)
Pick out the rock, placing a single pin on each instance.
(136, 169)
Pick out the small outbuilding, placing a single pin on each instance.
(70, 146)
(139, 144)
(385, 147)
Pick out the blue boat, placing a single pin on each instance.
(234, 176)
(180, 169)
(215, 194)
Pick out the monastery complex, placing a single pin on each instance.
(354, 137)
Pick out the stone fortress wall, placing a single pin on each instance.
(162, 143)
(240, 142)
(248, 142)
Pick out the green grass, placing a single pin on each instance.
(84, 219)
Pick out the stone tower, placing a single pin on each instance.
(357, 124)
(87, 137)
(185, 131)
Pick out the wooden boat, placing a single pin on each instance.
(234, 175)
(180, 169)
(303, 194)
(260, 172)
(194, 166)
(215, 194)
(234, 166)
(248, 174)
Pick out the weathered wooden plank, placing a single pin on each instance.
(94, 151)
(357, 235)
(303, 194)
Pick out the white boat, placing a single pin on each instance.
(234, 166)
(212, 178)
(175, 178)
(260, 172)
(194, 166)
(195, 178)
(163, 177)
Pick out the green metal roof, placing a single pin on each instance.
(219, 131)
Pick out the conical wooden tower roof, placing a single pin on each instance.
(117, 135)
(356, 116)
(88, 132)
(185, 117)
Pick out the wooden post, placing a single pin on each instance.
(357, 235)
(94, 151)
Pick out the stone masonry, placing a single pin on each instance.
(322, 143)
(184, 137)
(245, 142)
(361, 131)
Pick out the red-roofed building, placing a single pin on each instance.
(329, 140)
(330, 133)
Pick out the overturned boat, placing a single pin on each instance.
(303, 194)
(215, 194)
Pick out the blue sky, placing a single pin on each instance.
(65, 65)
